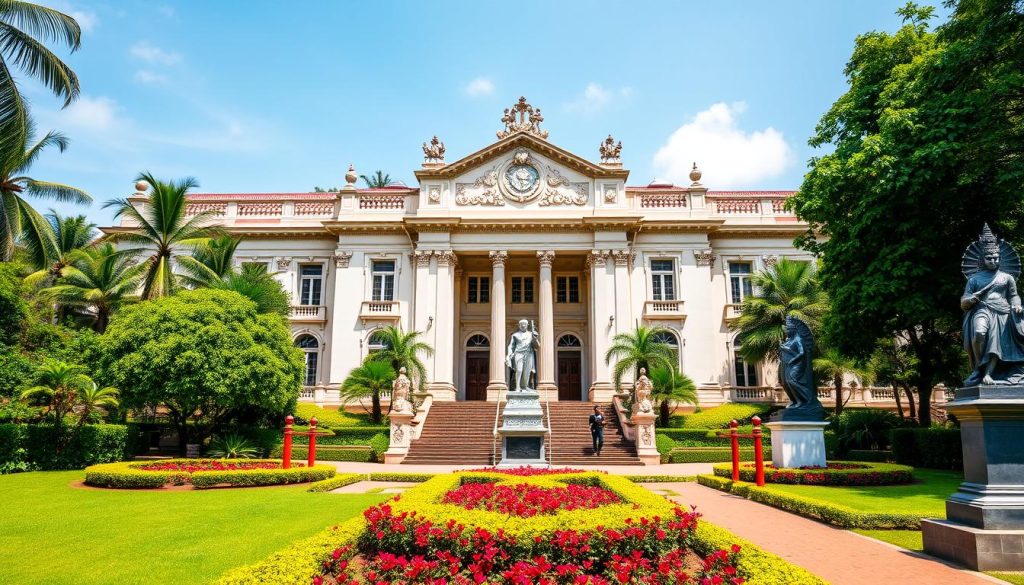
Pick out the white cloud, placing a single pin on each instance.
(479, 86)
(87, 20)
(147, 52)
(148, 77)
(728, 156)
(99, 114)
(595, 98)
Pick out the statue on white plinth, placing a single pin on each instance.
(400, 394)
(522, 355)
(642, 389)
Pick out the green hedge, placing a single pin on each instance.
(128, 475)
(359, 453)
(330, 418)
(867, 474)
(261, 477)
(868, 455)
(24, 447)
(339, 480)
(401, 476)
(660, 478)
(719, 417)
(711, 455)
(828, 512)
(934, 448)
(343, 436)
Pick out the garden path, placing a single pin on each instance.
(684, 469)
(838, 556)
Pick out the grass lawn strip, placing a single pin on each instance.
(908, 539)
(130, 537)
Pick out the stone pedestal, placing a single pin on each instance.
(985, 517)
(798, 443)
(401, 437)
(522, 430)
(646, 449)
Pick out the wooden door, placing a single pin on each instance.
(477, 374)
(569, 375)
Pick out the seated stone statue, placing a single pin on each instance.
(400, 394)
(642, 389)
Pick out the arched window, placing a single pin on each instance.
(376, 342)
(311, 347)
(669, 339)
(569, 341)
(478, 341)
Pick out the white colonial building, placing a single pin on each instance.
(520, 229)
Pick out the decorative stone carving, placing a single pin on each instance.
(284, 263)
(433, 152)
(521, 356)
(695, 175)
(350, 179)
(400, 393)
(422, 258)
(770, 260)
(465, 193)
(611, 194)
(704, 257)
(642, 389)
(546, 257)
(522, 117)
(561, 192)
(646, 438)
(623, 257)
(597, 258)
(434, 194)
(397, 435)
(519, 179)
(446, 258)
(609, 150)
(342, 258)
(498, 257)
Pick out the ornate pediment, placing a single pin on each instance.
(522, 178)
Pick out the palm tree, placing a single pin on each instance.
(17, 218)
(833, 366)
(92, 398)
(162, 229)
(671, 387)
(790, 288)
(637, 349)
(377, 180)
(51, 255)
(58, 384)
(370, 379)
(98, 281)
(211, 261)
(24, 27)
(254, 283)
(402, 350)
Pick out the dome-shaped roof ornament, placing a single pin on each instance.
(695, 175)
(141, 187)
(350, 178)
(522, 117)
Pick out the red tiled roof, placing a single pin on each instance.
(751, 193)
(288, 196)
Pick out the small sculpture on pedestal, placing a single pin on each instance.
(400, 393)
(522, 356)
(642, 393)
(796, 356)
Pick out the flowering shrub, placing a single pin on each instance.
(202, 473)
(210, 465)
(837, 473)
(529, 471)
(526, 500)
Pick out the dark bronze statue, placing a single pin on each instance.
(796, 356)
(993, 330)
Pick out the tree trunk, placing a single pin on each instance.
(899, 403)
(910, 403)
(924, 380)
(375, 409)
(665, 413)
(837, 383)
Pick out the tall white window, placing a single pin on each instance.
(309, 345)
(383, 280)
(663, 283)
(478, 289)
(311, 285)
(739, 281)
(746, 372)
(522, 290)
(567, 289)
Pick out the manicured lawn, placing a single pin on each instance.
(927, 496)
(53, 533)
(1016, 578)
(908, 539)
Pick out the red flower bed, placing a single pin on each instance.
(409, 549)
(838, 473)
(210, 465)
(530, 471)
(525, 500)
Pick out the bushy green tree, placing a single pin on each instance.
(13, 307)
(200, 354)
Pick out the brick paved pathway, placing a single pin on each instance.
(838, 556)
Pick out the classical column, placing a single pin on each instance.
(422, 309)
(443, 384)
(601, 327)
(546, 367)
(623, 316)
(497, 368)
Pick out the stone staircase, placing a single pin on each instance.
(461, 433)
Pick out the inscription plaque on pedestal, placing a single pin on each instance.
(523, 447)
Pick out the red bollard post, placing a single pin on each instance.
(734, 436)
(312, 443)
(758, 452)
(286, 455)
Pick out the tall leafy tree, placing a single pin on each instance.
(369, 380)
(671, 388)
(895, 364)
(789, 288)
(833, 366)
(98, 282)
(18, 220)
(403, 350)
(257, 285)
(163, 230)
(377, 179)
(211, 261)
(637, 349)
(25, 28)
(925, 148)
(53, 253)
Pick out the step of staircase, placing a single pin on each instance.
(462, 433)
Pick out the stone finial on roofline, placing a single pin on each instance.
(610, 152)
(695, 175)
(433, 154)
(350, 179)
(522, 117)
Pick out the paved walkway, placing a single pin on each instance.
(683, 469)
(838, 556)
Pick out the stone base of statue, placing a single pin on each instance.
(984, 528)
(401, 437)
(646, 448)
(522, 430)
(797, 443)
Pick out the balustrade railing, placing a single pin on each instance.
(309, 313)
(387, 202)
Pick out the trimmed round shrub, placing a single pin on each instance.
(837, 473)
(210, 473)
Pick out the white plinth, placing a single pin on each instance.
(798, 444)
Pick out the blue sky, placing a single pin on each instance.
(251, 96)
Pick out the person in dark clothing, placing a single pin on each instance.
(597, 430)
